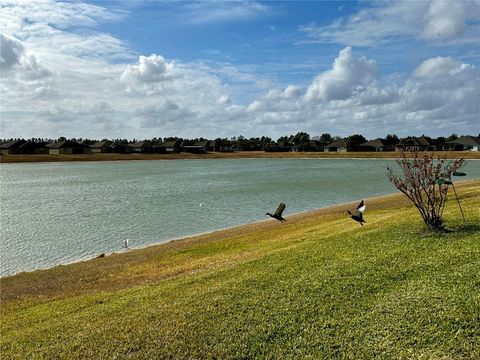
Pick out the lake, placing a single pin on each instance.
(54, 213)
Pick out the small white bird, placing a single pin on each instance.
(125, 243)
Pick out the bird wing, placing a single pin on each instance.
(280, 209)
(361, 207)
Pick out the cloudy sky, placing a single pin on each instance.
(219, 69)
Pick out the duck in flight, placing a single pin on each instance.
(278, 213)
(358, 214)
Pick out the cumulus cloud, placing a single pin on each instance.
(149, 69)
(444, 19)
(346, 76)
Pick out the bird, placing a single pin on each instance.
(358, 214)
(125, 243)
(278, 213)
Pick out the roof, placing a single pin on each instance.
(101, 144)
(12, 144)
(465, 140)
(169, 143)
(203, 143)
(374, 143)
(139, 144)
(337, 144)
(63, 144)
(415, 141)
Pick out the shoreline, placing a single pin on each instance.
(390, 155)
(245, 228)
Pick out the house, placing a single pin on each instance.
(173, 146)
(375, 145)
(11, 147)
(101, 146)
(141, 147)
(464, 143)
(339, 146)
(414, 144)
(65, 147)
(197, 148)
(119, 148)
(279, 147)
(311, 145)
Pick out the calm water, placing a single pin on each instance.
(53, 213)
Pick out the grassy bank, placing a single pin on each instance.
(317, 286)
(227, 155)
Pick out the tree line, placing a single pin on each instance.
(242, 142)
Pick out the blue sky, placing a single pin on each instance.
(216, 68)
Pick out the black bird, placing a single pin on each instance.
(278, 213)
(358, 214)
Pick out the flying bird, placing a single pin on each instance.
(358, 214)
(278, 213)
(125, 243)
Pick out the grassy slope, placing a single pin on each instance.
(226, 155)
(318, 286)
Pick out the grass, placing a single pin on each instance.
(224, 155)
(318, 286)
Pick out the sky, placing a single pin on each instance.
(144, 69)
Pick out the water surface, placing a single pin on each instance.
(53, 213)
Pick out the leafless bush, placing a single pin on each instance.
(425, 180)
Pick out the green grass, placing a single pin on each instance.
(315, 287)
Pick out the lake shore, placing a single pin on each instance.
(224, 155)
(319, 283)
(146, 253)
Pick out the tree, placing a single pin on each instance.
(424, 181)
(392, 139)
(301, 137)
(354, 141)
(326, 138)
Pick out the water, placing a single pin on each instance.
(53, 213)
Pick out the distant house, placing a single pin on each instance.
(65, 147)
(11, 147)
(375, 145)
(173, 146)
(311, 145)
(197, 148)
(225, 148)
(101, 147)
(464, 143)
(213, 146)
(338, 146)
(279, 147)
(141, 147)
(414, 144)
(119, 148)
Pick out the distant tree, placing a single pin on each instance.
(282, 139)
(440, 140)
(301, 137)
(354, 141)
(423, 181)
(326, 138)
(392, 139)
(452, 137)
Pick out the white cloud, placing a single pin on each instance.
(149, 69)
(65, 90)
(220, 11)
(347, 75)
(445, 19)
(384, 22)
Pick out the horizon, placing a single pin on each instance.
(142, 69)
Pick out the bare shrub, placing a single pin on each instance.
(425, 180)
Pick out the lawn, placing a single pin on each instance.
(318, 286)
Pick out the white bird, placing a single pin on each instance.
(125, 243)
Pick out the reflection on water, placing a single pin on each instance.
(53, 213)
